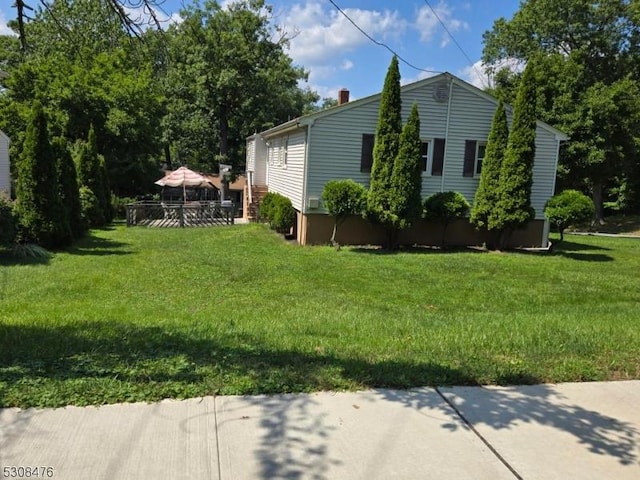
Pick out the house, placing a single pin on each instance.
(297, 158)
(5, 175)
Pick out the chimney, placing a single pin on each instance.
(343, 96)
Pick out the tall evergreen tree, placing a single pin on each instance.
(91, 172)
(37, 202)
(513, 208)
(385, 151)
(406, 179)
(68, 187)
(487, 193)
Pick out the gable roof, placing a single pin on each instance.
(308, 119)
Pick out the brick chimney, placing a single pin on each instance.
(343, 96)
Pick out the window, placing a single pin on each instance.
(366, 154)
(424, 156)
(284, 152)
(480, 151)
(437, 164)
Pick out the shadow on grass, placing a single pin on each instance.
(581, 251)
(415, 249)
(109, 362)
(93, 245)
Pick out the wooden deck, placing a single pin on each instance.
(179, 215)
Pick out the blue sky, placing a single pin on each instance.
(338, 56)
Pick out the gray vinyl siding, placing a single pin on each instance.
(257, 159)
(251, 154)
(5, 179)
(287, 178)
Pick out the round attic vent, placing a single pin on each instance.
(441, 92)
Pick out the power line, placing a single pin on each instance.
(473, 65)
(381, 44)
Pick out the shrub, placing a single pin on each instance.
(278, 211)
(568, 207)
(266, 206)
(8, 222)
(283, 215)
(92, 213)
(343, 198)
(444, 208)
(119, 205)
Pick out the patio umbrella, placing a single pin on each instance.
(183, 177)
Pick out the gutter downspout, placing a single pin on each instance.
(446, 134)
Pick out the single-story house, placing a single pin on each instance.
(297, 158)
(5, 172)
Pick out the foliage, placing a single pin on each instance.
(91, 74)
(385, 151)
(228, 76)
(91, 174)
(343, 198)
(586, 85)
(291, 319)
(513, 207)
(568, 208)
(486, 196)
(92, 214)
(278, 211)
(444, 208)
(406, 178)
(8, 222)
(119, 205)
(68, 190)
(39, 208)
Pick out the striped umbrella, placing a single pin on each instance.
(183, 177)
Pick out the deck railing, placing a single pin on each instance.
(190, 214)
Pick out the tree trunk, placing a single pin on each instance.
(598, 203)
(224, 132)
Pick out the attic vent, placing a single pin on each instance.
(441, 92)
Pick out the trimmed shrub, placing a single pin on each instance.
(567, 208)
(283, 216)
(119, 205)
(92, 213)
(343, 198)
(266, 206)
(444, 208)
(8, 222)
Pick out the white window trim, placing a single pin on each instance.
(479, 143)
(430, 141)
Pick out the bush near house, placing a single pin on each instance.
(444, 208)
(8, 222)
(343, 198)
(278, 211)
(567, 208)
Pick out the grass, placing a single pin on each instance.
(143, 314)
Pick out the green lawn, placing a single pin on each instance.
(143, 314)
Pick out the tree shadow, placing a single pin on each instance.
(416, 249)
(503, 408)
(581, 251)
(91, 244)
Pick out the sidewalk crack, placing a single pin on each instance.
(479, 435)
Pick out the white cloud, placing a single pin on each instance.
(324, 35)
(346, 64)
(476, 74)
(420, 76)
(4, 29)
(427, 23)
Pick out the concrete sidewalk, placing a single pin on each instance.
(567, 431)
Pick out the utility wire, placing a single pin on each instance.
(473, 65)
(381, 44)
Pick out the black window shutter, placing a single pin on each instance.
(438, 157)
(469, 158)
(366, 156)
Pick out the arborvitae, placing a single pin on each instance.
(39, 208)
(91, 172)
(385, 149)
(406, 179)
(69, 192)
(513, 209)
(487, 193)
